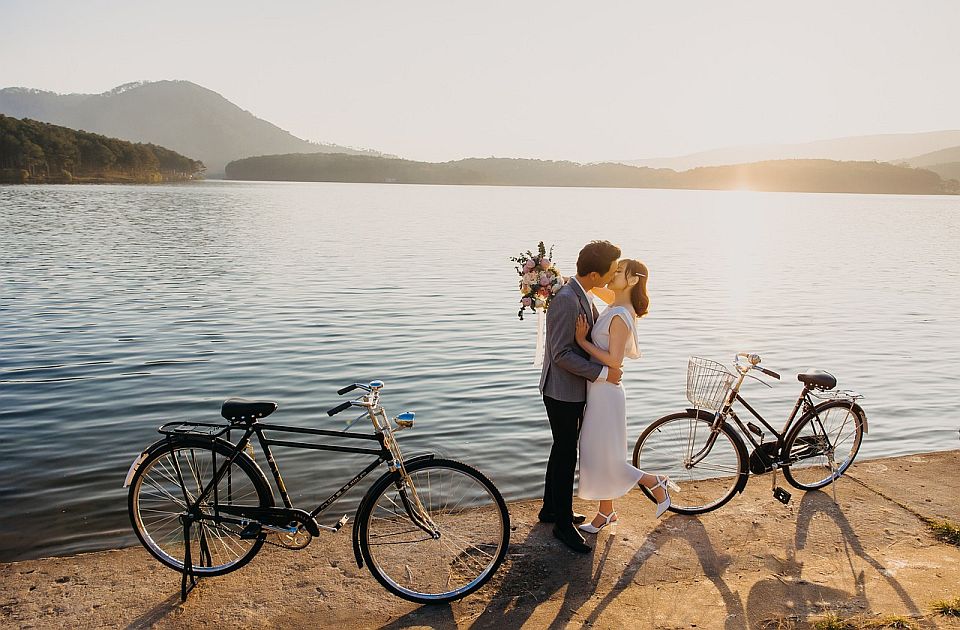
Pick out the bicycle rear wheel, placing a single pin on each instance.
(471, 518)
(823, 444)
(710, 466)
(156, 501)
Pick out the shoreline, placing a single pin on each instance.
(753, 562)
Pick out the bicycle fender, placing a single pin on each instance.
(139, 460)
(863, 414)
(367, 497)
(133, 468)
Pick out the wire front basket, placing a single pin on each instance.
(708, 383)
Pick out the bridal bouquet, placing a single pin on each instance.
(539, 279)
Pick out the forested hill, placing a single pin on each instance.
(780, 175)
(36, 152)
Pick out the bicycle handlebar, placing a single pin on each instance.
(754, 360)
(339, 408)
(767, 372)
(374, 387)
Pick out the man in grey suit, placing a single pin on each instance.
(563, 384)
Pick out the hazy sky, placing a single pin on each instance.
(563, 80)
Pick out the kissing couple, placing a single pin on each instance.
(580, 384)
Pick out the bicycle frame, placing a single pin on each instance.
(749, 430)
(388, 451)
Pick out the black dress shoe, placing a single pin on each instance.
(569, 536)
(550, 517)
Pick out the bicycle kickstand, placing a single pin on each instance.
(187, 562)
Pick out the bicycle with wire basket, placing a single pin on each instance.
(430, 530)
(702, 451)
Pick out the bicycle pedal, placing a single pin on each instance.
(781, 495)
(336, 526)
(251, 531)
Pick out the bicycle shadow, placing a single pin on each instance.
(537, 569)
(156, 614)
(808, 597)
(713, 564)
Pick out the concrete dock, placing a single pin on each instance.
(754, 563)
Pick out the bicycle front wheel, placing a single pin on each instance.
(472, 525)
(823, 444)
(157, 500)
(709, 465)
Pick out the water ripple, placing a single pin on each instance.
(124, 307)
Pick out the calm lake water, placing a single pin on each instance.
(122, 307)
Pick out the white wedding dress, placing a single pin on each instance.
(604, 470)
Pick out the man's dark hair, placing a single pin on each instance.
(597, 256)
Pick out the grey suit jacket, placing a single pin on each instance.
(566, 366)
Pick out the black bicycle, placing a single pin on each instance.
(430, 530)
(701, 450)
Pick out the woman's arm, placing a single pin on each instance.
(618, 342)
(604, 294)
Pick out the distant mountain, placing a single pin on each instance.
(883, 148)
(180, 115)
(783, 175)
(945, 162)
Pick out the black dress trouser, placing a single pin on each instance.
(565, 418)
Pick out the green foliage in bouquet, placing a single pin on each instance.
(540, 279)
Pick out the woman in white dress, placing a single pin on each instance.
(605, 473)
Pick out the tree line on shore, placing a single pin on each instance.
(801, 175)
(33, 151)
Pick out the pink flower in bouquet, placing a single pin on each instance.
(543, 292)
(545, 263)
(526, 301)
(545, 279)
(529, 265)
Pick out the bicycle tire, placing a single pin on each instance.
(805, 443)
(155, 502)
(666, 443)
(402, 560)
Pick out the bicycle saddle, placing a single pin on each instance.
(818, 378)
(239, 409)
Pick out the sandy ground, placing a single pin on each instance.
(754, 563)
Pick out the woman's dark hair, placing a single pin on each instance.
(638, 294)
(597, 256)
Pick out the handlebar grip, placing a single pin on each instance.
(344, 390)
(338, 408)
(767, 372)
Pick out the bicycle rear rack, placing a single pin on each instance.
(836, 394)
(201, 429)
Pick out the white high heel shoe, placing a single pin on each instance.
(608, 520)
(664, 482)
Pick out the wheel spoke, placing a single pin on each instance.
(471, 540)
(216, 547)
(671, 443)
